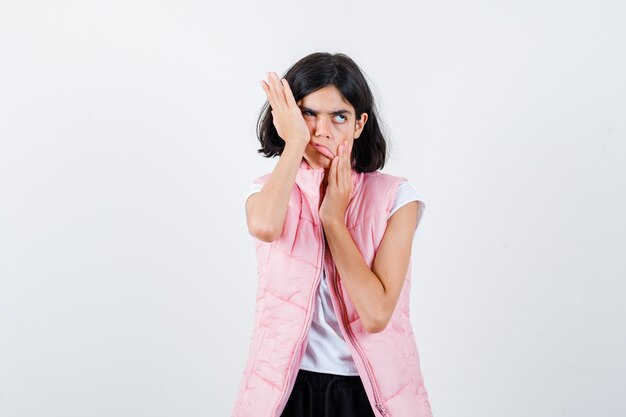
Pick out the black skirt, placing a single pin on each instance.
(317, 394)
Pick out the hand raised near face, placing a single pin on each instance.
(339, 187)
(287, 116)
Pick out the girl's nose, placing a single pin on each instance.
(321, 127)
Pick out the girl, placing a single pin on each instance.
(332, 334)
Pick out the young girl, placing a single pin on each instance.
(332, 334)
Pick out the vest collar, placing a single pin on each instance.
(310, 179)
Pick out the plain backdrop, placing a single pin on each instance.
(127, 145)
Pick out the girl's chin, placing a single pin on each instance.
(321, 162)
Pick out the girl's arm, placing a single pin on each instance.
(375, 292)
(266, 210)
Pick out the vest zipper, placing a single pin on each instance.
(305, 330)
(370, 374)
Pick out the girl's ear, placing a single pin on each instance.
(360, 124)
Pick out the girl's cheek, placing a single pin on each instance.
(342, 129)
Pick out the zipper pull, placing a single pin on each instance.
(381, 409)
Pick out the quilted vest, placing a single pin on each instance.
(289, 271)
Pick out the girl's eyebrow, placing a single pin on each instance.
(332, 113)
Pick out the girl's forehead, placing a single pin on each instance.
(325, 99)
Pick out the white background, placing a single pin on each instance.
(127, 144)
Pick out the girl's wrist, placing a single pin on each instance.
(294, 148)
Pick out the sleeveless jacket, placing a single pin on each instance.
(289, 271)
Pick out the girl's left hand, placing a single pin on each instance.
(339, 187)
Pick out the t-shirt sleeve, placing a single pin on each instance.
(406, 193)
(255, 188)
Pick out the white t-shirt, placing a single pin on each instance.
(326, 349)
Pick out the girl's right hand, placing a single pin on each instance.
(286, 114)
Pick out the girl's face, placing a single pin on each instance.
(331, 120)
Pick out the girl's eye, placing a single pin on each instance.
(342, 117)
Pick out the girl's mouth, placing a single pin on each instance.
(324, 151)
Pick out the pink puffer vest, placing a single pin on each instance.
(289, 271)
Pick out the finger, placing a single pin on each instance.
(333, 172)
(266, 89)
(340, 164)
(277, 89)
(291, 100)
(267, 86)
(269, 92)
(347, 168)
(349, 156)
